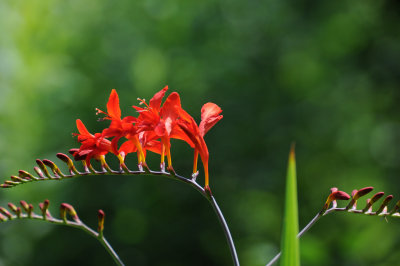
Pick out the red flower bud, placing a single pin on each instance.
(71, 211)
(101, 217)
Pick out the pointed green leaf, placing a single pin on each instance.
(290, 242)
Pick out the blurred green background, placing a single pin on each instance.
(324, 74)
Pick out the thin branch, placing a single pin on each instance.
(382, 211)
(76, 224)
(25, 177)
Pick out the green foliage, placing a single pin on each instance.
(290, 242)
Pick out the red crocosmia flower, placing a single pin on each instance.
(92, 146)
(148, 141)
(162, 120)
(121, 127)
(210, 115)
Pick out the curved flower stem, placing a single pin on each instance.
(26, 177)
(75, 224)
(207, 194)
(226, 231)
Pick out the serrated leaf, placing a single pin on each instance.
(290, 242)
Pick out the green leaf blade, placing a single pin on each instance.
(290, 242)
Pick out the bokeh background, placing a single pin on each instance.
(324, 74)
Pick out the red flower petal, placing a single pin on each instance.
(113, 105)
(155, 102)
(209, 117)
(127, 147)
(171, 107)
(210, 110)
(160, 129)
(82, 129)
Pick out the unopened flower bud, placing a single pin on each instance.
(71, 211)
(44, 207)
(374, 199)
(356, 194)
(337, 195)
(395, 208)
(3, 218)
(43, 168)
(25, 175)
(362, 192)
(53, 167)
(30, 210)
(5, 212)
(24, 205)
(63, 213)
(63, 157)
(39, 172)
(11, 183)
(17, 179)
(101, 217)
(12, 207)
(384, 204)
